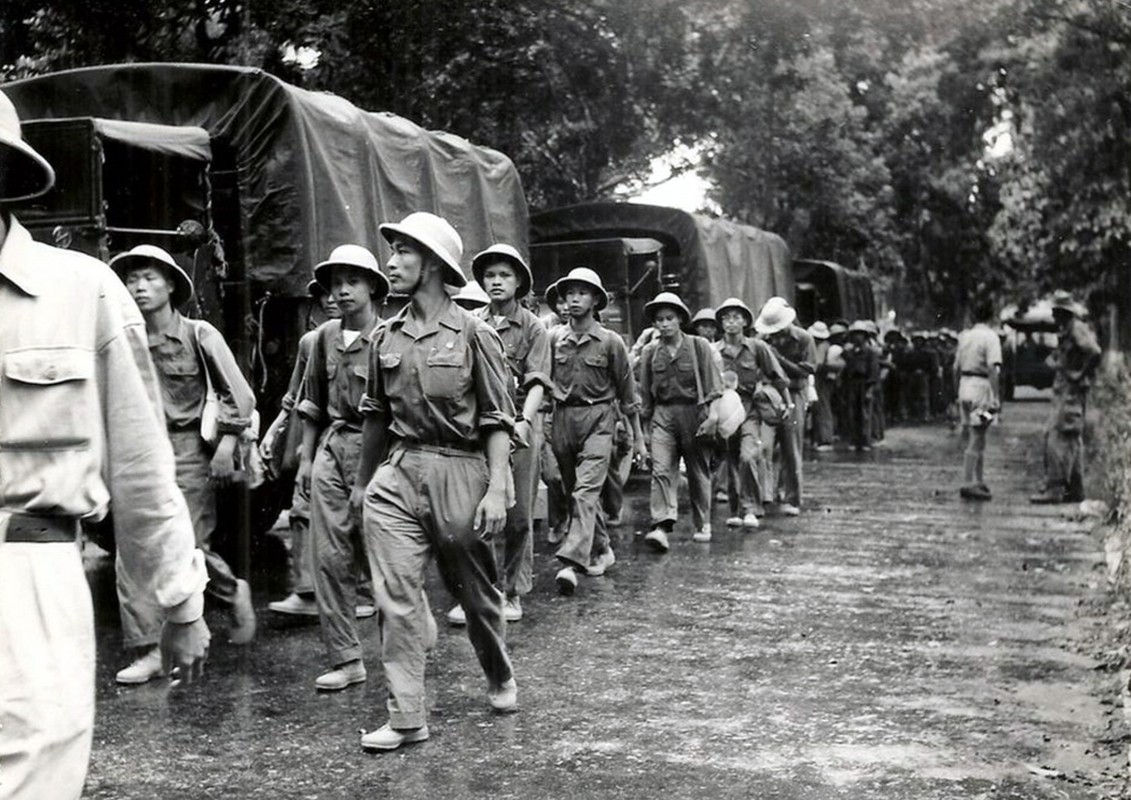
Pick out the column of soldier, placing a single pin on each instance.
(454, 407)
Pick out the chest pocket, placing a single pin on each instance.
(446, 375)
(49, 400)
(181, 376)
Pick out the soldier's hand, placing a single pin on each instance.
(222, 469)
(357, 502)
(490, 514)
(522, 433)
(184, 649)
(303, 476)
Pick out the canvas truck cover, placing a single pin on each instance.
(712, 259)
(850, 294)
(314, 171)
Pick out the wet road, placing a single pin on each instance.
(892, 642)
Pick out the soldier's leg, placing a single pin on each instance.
(583, 443)
(768, 435)
(791, 452)
(46, 671)
(398, 551)
(452, 487)
(518, 538)
(662, 500)
(336, 545)
(697, 457)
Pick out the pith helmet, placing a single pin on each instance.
(471, 296)
(588, 277)
(667, 300)
(351, 255)
(734, 304)
(149, 254)
(434, 234)
(705, 315)
(819, 330)
(776, 315)
(859, 326)
(503, 252)
(26, 173)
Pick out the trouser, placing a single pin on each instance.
(339, 550)
(918, 396)
(518, 537)
(859, 411)
(142, 617)
(620, 465)
(788, 436)
(747, 468)
(421, 503)
(673, 436)
(583, 445)
(879, 417)
(823, 412)
(1064, 445)
(557, 508)
(302, 554)
(46, 671)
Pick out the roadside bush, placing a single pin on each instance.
(1112, 462)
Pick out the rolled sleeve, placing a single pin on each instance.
(710, 376)
(313, 397)
(647, 401)
(373, 399)
(536, 365)
(490, 373)
(237, 400)
(624, 380)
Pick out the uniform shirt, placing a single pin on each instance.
(184, 382)
(666, 378)
(294, 386)
(754, 362)
(335, 377)
(861, 363)
(1077, 354)
(797, 346)
(438, 383)
(592, 367)
(979, 351)
(80, 420)
(527, 347)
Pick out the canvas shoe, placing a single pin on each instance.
(457, 617)
(566, 580)
(388, 738)
(142, 670)
(364, 610)
(512, 609)
(340, 677)
(703, 534)
(504, 698)
(750, 521)
(736, 522)
(602, 562)
(294, 605)
(657, 539)
(788, 510)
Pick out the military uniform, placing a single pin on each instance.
(796, 347)
(330, 398)
(591, 373)
(753, 362)
(440, 388)
(1077, 355)
(675, 389)
(527, 347)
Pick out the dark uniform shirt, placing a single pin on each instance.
(754, 362)
(591, 368)
(667, 379)
(861, 363)
(527, 346)
(184, 382)
(797, 346)
(1076, 357)
(335, 377)
(439, 383)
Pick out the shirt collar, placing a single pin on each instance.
(450, 317)
(15, 263)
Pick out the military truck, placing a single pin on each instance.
(249, 182)
(641, 249)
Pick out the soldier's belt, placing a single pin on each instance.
(34, 528)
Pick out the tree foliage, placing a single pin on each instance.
(856, 130)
